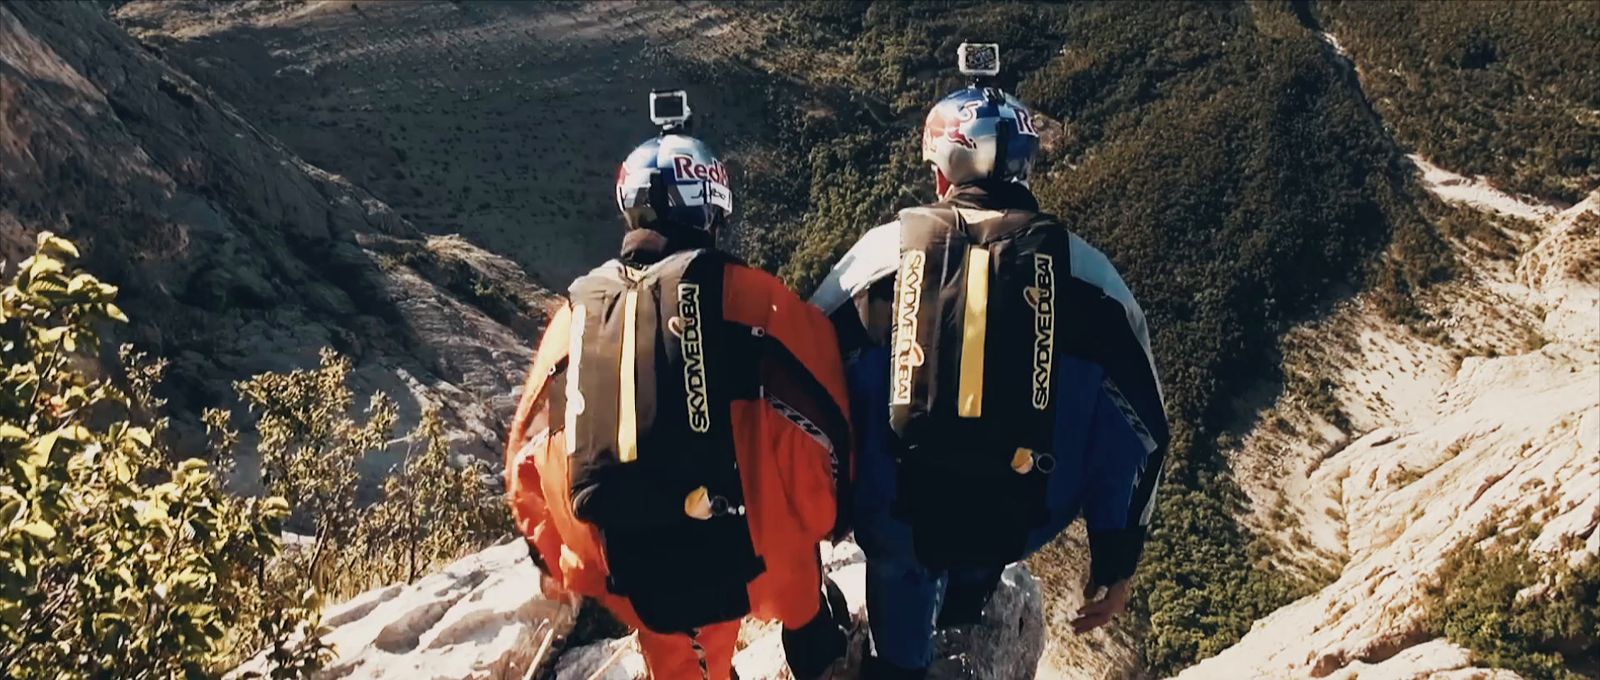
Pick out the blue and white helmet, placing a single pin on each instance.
(675, 178)
(980, 133)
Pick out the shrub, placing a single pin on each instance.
(114, 561)
(427, 514)
(430, 513)
(1514, 610)
(309, 450)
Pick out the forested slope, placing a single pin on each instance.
(235, 256)
(1485, 88)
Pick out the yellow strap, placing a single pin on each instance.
(627, 419)
(975, 324)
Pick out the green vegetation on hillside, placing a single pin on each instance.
(1502, 89)
(1513, 611)
(122, 558)
(115, 561)
(1218, 154)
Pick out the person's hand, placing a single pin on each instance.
(1100, 605)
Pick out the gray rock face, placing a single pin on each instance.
(619, 658)
(485, 617)
(233, 255)
(481, 617)
(1008, 643)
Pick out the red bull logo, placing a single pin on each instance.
(687, 168)
(941, 126)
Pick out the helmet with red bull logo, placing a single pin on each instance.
(677, 179)
(979, 133)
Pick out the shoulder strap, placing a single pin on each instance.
(608, 276)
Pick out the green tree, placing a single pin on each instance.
(310, 447)
(427, 508)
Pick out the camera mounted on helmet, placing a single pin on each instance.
(981, 61)
(669, 110)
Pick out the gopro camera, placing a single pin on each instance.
(979, 59)
(669, 108)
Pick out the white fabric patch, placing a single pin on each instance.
(1093, 267)
(874, 256)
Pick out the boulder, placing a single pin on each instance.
(483, 616)
(619, 657)
(1009, 642)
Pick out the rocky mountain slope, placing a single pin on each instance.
(1473, 432)
(234, 255)
(1480, 424)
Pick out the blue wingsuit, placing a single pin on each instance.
(1110, 436)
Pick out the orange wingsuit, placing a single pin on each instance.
(789, 473)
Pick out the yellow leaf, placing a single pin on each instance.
(50, 336)
(39, 530)
(80, 282)
(59, 245)
(44, 264)
(140, 435)
(121, 470)
(9, 431)
(41, 447)
(115, 313)
(152, 513)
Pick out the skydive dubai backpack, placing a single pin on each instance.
(971, 395)
(645, 400)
